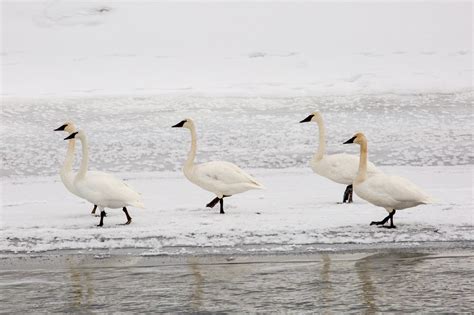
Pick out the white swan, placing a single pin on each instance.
(340, 168)
(102, 189)
(66, 173)
(224, 179)
(390, 192)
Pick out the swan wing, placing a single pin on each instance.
(103, 186)
(394, 189)
(225, 172)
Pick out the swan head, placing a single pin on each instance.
(68, 126)
(314, 116)
(358, 138)
(185, 123)
(77, 134)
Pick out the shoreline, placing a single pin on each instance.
(231, 255)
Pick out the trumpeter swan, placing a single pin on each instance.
(340, 168)
(390, 192)
(102, 189)
(66, 173)
(224, 179)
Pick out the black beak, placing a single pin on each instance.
(179, 125)
(351, 140)
(307, 119)
(71, 136)
(61, 128)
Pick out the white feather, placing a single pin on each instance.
(341, 168)
(102, 189)
(387, 191)
(219, 177)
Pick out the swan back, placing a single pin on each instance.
(341, 168)
(222, 178)
(108, 191)
(393, 192)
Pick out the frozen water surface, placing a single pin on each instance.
(134, 134)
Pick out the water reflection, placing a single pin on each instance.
(198, 279)
(380, 269)
(326, 288)
(383, 282)
(364, 271)
(82, 286)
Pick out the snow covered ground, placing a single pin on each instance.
(64, 48)
(297, 208)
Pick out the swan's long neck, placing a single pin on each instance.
(192, 152)
(85, 158)
(69, 160)
(322, 141)
(362, 174)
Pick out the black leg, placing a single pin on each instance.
(213, 202)
(93, 210)
(102, 215)
(129, 218)
(391, 226)
(347, 194)
(351, 192)
(390, 216)
(222, 205)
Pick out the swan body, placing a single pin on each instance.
(391, 192)
(387, 191)
(340, 168)
(102, 189)
(222, 178)
(107, 191)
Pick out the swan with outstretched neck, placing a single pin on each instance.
(102, 189)
(387, 191)
(66, 173)
(340, 168)
(224, 179)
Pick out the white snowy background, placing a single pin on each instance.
(247, 73)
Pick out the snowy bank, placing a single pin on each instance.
(297, 208)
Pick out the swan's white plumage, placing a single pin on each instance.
(219, 177)
(340, 168)
(391, 192)
(103, 189)
(388, 191)
(107, 191)
(222, 178)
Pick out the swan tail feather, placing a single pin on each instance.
(137, 204)
(427, 199)
(257, 185)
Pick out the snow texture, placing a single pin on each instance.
(64, 48)
(297, 208)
